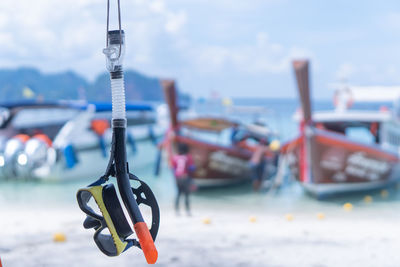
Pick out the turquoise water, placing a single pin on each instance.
(290, 198)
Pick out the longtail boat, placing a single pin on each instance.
(331, 156)
(218, 162)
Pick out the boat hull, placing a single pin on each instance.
(219, 165)
(92, 163)
(328, 163)
(215, 164)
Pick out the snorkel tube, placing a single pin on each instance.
(114, 53)
(112, 215)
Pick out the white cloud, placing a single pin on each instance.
(158, 6)
(381, 74)
(391, 21)
(367, 74)
(236, 6)
(56, 34)
(261, 56)
(175, 21)
(345, 71)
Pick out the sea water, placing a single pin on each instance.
(278, 116)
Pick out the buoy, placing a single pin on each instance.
(275, 145)
(252, 219)
(289, 217)
(384, 193)
(28, 93)
(206, 221)
(368, 199)
(227, 102)
(320, 216)
(348, 206)
(59, 237)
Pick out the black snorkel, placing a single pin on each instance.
(112, 215)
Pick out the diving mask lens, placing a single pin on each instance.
(105, 242)
(117, 215)
(110, 223)
(85, 200)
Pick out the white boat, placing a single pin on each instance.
(66, 141)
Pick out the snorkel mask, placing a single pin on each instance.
(112, 230)
(99, 201)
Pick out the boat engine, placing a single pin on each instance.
(3, 141)
(13, 147)
(36, 158)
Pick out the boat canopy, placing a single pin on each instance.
(208, 124)
(260, 130)
(348, 116)
(374, 93)
(82, 105)
(107, 106)
(248, 109)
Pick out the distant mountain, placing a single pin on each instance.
(137, 87)
(29, 83)
(13, 84)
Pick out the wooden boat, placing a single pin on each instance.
(218, 162)
(327, 160)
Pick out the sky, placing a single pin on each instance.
(235, 48)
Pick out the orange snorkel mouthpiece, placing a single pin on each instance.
(146, 242)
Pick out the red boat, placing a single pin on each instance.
(327, 159)
(217, 161)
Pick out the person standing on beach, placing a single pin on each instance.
(183, 165)
(257, 164)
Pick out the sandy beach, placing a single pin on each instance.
(219, 235)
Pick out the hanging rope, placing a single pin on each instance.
(119, 24)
